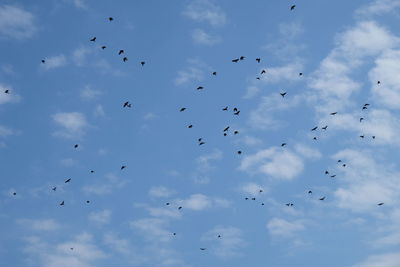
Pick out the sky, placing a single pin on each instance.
(311, 202)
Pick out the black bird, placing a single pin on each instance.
(43, 61)
(364, 107)
(214, 73)
(339, 160)
(225, 134)
(283, 94)
(260, 191)
(110, 18)
(326, 172)
(225, 108)
(121, 52)
(325, 127)
(315, 138)
(62, 203)
(103, 47)
(54, 188)
(333, 176)
(76, 146)
(333, 113)
(235, 132)
(182, 109)
(310, 192)
(142, 63)
(174, 233)
(219, 236)
(366, 104)
(292, 7)
(373, 137)
(127, 104)
(283, 144)
(236, 113)
(236, 60)
(258, 60)
(125, 59)
(123, 167)
(300, 74)
(378, 82)
(93, 39)
(344, 165)
(289, 204)
(202, 248)
(246, 198)
(200, 88)
(201, 143)
(15, 193)
(253, 198)
(258, 78)
(362, 136)
(167, 203)
(242, 58)
(91, 171)
(87, 201)
(263, 72)
(380, 204)
(68, 180)
(322, 198)
(361, 119)
(239, 152)
(200, 139)
(315, 128)
(179, 208)
(262, 204)
(7, 91)
(190, 126)
(226, 129)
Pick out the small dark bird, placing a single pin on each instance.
(362, 136)
(68, 180)
(225, 134)
(179, 208)
(142, 63)
(315, 128)
(182, 109)
(333, 176)
(322, 198)
(333, 113)
(378, 82)
(62, 203)
(15, 193)
(167, 203)
(226, 129)
(125, 59)
(258, 78)
(43, 61)
(71, 248)
(339, 160)
(76, 146)
(225, 108)
(310, 192)
(242, 58)
(103, 47)
(361, 119)
(219, 236)
(174, 233)
(235, 132)
(235, 109)
(283, 144)
(239, 152)
(364, 107)
(253, 198)
(326, 172)
(7, 91)
(214, 73)
(246, 198)
(262, 204)
(200, 139)
(236, 113)
(380, 204)
(263, 72)
(289, 204)
(325, 127)
(87, 201)
(92, 171)
(127, 105)
(110, 18)
(283, 94)
(373, 137)
(258, 60)
(300, 74)
(123, 167)
(315, 138)
(236, 60)
(202, 248)
(200, 88)
(292, 7)
(121, 52)
(201, 143)
(190, 126)
(260, 191)
(344, 165)
(54, 188)
(93, 39)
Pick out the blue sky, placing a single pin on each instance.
(343, 48)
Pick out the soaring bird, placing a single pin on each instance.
(179, 208)
(300, 74)
(333, 176)
(142, 63)
(242, 58)
(54, 188)
(258, 60)
(226, 129)
(87, 201)
(236, 60)
(263, 72)
(322, 198)
(201, 143)
(361, 119)
(182, 109)
(93, 39)
(310, 192)
(373, 137)
(361, 136)
(202, 248)
(325, 127)
(283, 144)
(292, 7)
(68, 180)
(326, 172)
(283, 94)
(62, 203)
(123, 167)
(127, 104)
(125, 59)
(378, 82)
(237, 112)
(15, 193)
(364, 107)
(7, 91)
(110, 18)
(200, 88)
(235, 132)
(333, 113)
(76, 146)
(92, 171)
(121, 52)
(190, 126)
(225, 108)
(380, 204)
(214, 73)
(239, 152)
(103, 47)
(315, 128)
(43, 61)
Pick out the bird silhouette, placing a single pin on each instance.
(283, 144)
(182, 109)
(68, 180)
(179, 208)
(7, 91)
(225, 108)
(123, 167)
(237, 112)
(361, 119)
(142, 63)
(76, 146)
(43, 61)
(202, 248)
(226, 129)
(200, 88)
(300, 74)
(361, 136)
(125, 59)
(315, 128)
(121, 52)
(214, 73)
(103, 47)
(54, 188)
(292, 7)
(263, 72)
(310, 192)
(325, 127)
(127, 104)
(93, 39)
(380, 204)
(235, 132)
(62, 203)
(15, 193)
(190, 126)
(322, 198)
(239, 152)
(378, 82)
(258, 60)
(236, 60)
(87, 201)
(333, 113)
(283, 94)
(242, 58)
(110, 18)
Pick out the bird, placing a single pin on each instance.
(15, 193)
(201, 143)
(68, 180)
(127, 104)
(242, 58)
(292, 7)
(237, 112)
(125, 59)
(362, 136)
(225, 108)
(380, 204)
(378, 82)
(300, 74)
(361, 119)
(174, 233)
(62, 203)
(214, 73)
(182, 109)
(103, 47)
(364, 107)
(179, 208)
(76, 146)
(263, 72)
(283, 94)
(190, 126)
(373, 137)
(142, 63)
(325, 127)
(260, 191)
(315, 128)
(333, 113)
(235, 132)
(258, 78)
(289, 204)
(253, 198)
(92, 171)
(258, 60)
(333, 176)
(235, 60)
(7, 91)
(239, 152)
(54, 188)
(167, 203)
(200, 139)
(121, 52)
(283, 144)
(123, 167)
(344, 165)
(322, 198)
(326, 172)
(200, 88)
(93, 39)
(339, 160)
(246, 198)
(202, 248)
(226, 129)
(110, 18)
(262, 204)
(43, 61)
(225, 134)
(315, 138)
(87, 201)
(219, 236)
(310, 192)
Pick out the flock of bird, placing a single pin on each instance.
(201, 141)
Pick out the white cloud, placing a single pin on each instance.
(82, 4)
(88, 93)
(16, 22)
(287, 73)
(199, 36)
(40, 224)
(153, 229)
(196, 202)
(79, 55)
(54, 62)
(229, 245)
(100, 217)
(74, 124)
(379, 7)
(205, 11)
(252, 188)
(284, 228)
(160, 192)
(277, 163)
(381, 260)
(193, 73)
(5, 131)
(307, 151)
(99, 111)
(111, 183)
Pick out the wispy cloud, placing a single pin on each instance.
(54, 62)
(100, 217)
(74, 124)
(229, 244)
(111, 183)
(205, 11)
(283, 228)
(40, 224)
(16, 22)
(160, 192)
(199, 36)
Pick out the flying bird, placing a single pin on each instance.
(226, 129)
(93, 39)
(43, 61)
(325, 127)
(190, 126)
(7, 91)
(237, 112)
(263, 72)
(242, 58)
(235, 132)
(68, 180)
(127, 104)
(283, 144)
(315, 128)
(378, 82)
(310, 192)
(202, 248)
(200, 88)
(15, 193)
(258, 60)
(322, 198)
(225, 108)
(380, 204)
(182, 109)
(300, 74)
(236, 60)
(142, 63)
(110, 18)
(62, 203)
(76, 146)
(103, 47)
(283, 94)
(214, 73)
(292, 7)
(123, 167)
(125, 59)
(362, 136)
(239, 152)
(121, 52)
(361, 119)
(333, 113)
(87, 201)
(54, 188)
(179, 208)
